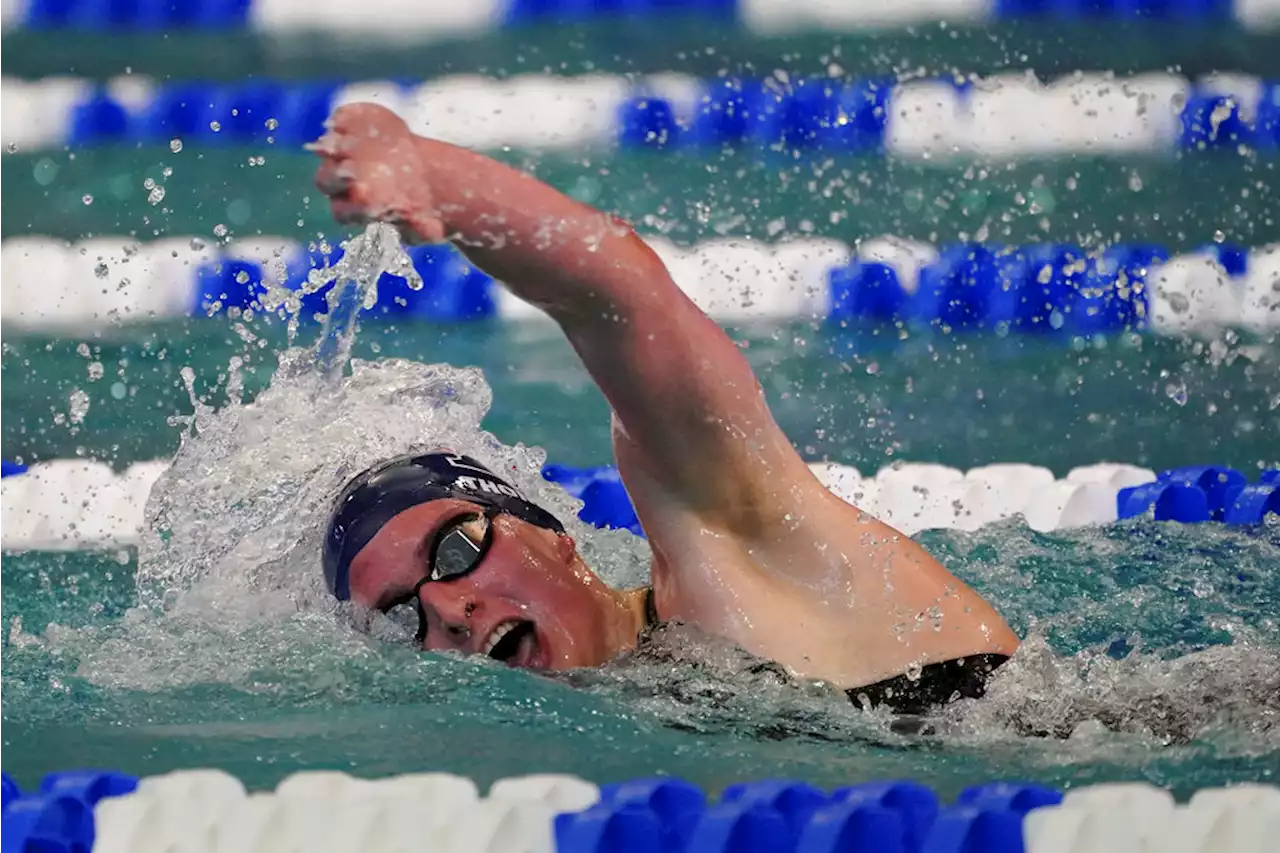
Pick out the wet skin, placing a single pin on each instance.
(747, 544)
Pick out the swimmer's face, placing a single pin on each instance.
(530, 602)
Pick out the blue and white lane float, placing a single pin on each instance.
(209, 811)
(926, 120)
(35, 514)
(105, 281)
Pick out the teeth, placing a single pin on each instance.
(498, 633)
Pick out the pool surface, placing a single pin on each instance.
(1153, 651)
(1152, 648)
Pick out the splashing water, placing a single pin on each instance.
(237, 520)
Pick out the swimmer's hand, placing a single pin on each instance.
(372, 172)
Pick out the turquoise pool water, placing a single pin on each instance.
(1154, 647)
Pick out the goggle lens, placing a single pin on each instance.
(460, 549)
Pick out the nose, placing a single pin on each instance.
(448, 618)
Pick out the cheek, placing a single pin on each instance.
(552, 595)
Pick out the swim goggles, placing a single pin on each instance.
(456, 551)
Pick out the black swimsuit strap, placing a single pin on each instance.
(936, 685)
(650, 608)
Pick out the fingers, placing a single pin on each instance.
(350, 125)
(357, 122)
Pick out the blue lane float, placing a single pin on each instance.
(806, 114)
(144, 15)
(10, 469)
(1048, 288)
(246, 113)
(1185, 11)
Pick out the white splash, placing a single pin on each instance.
(240, 513)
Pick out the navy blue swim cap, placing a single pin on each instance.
(389, 488)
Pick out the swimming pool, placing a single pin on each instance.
(1154, 628)
(1153, 648)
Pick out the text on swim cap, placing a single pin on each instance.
(483, 484)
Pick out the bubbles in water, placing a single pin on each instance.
(220, 230)
(156, 195)
(101, 270)
(79, 405)
(12, 147)
(175, 145)
(1179, 303)
(1177, 392)
(86, 198)
(215, 126)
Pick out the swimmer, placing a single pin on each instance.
(747, 544)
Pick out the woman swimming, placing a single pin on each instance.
(746, 543)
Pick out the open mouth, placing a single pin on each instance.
(511, 642)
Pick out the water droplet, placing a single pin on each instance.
(1177, 392)
(45, 172)
(175, 145)
(86, 198)
(78, 405)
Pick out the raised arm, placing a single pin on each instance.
(692, 410)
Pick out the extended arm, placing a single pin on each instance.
(693, 414)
